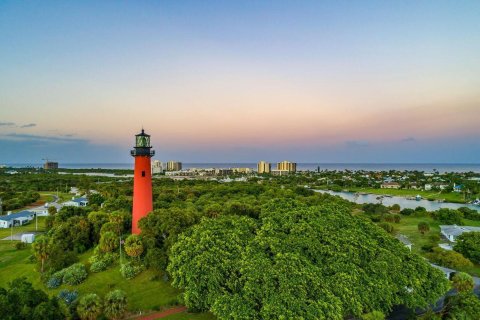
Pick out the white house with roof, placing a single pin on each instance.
(76, 202)
(451, 232)
(17, 219)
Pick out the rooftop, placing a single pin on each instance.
(455, 230)
(21, 214)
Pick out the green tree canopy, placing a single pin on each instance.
(468, 244)
(299, 262)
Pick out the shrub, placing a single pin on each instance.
(20, 245)
(469, 213)
(407, 212)
(449, 259)
(55, 281)
(89, 307)
(75, 274)
(395, 207)
(115, 304)
(423, 227)
(468, 244)
(428, 247)
(130, 271)
(68, 296)
(397, 218)
(156, 259)
(100, 262)
(448, 216)
(386, 226)
(98, 266)
(434, 237)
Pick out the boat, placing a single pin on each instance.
(418, 197)
(476, 202)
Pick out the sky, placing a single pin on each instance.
(241, 81)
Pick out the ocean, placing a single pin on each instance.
(427, 167)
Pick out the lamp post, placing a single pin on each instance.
(121, 242)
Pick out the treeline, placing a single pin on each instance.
(12, 200)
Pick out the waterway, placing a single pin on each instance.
(401, 201)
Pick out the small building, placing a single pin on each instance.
(16, 219)
(28, 237)
(451, 232)
(427, 187)
(77, 202)
(457, 187)
(277, 172)
(390, 185)
(223, 172)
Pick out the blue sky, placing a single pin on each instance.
(213, 81)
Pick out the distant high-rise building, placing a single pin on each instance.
(287, 166)
(157, 166)
(264, 167)
(174, 166)
(50, 165)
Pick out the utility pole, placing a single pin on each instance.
(121, 251)
(36, 221)
(1, 207)
(11, 231)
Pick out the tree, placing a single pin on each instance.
(89, 307)
(115, 304)
(463, 282)
(449, 259)
(109, 242)
(423, 227)
(97, 219)
(407, 212)
(462, 306)
(21, 301)
(52, 211)
(298, 262)
(133, 246)
(448, 216)
(41, 250)
(468, 244)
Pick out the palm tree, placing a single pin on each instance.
(134, 246)
(463, 282)
(423, 227)
(115, 304)
(89, 307)
(41, 248)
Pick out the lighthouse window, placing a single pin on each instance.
(143, 173)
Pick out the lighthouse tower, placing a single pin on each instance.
(142, 179)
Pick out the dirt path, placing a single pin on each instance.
(162, 314)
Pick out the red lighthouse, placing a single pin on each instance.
(142, 179)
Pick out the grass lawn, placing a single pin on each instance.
(30, 227)
(435, 195)
(192, 316)
(143, 293)
(408, 226)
